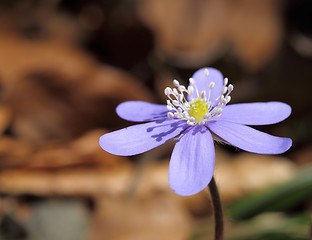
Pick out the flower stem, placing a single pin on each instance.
(217, 208)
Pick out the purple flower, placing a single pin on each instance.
(194, 115)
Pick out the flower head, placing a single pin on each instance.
(192, 114)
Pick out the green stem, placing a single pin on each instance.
(217, 209)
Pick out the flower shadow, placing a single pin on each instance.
(157, 117)
(198, 129)
(175, 126)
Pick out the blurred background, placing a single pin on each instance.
(64, 67)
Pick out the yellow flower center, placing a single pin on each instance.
(198, 109)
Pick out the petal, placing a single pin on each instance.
(140, 138)
(139, 111)
(202, 81)
(249, 139)
(259, 113)
(192, 162)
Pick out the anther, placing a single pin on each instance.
(168, 91)
(228, 99)
(226, 80)
(170, 115)
(230, 88)
(169, 107)
(203, 95)
(176, 83)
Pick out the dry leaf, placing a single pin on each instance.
(192, 33)
(81, 152)
(235, 177)
(15, 153)
(58, 92)
(5, 118)
(186, 32)
(255, 30)
(72, 182)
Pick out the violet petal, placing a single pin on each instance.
(140, 138)
(139, 111)
(259, 113)
(249, 139)
(192, 162)
(202, 82)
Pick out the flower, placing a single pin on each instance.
(193, 115)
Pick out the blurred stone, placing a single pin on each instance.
(58, 220)
(10, 229)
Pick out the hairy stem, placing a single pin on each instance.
(217, 209)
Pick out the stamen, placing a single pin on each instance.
(230, 88)
(175, 91)
(168, 91)
(170, 115)
(226, 80)
(181, 88)
(225, 89)
(190, 90)
(200, 109)
(227, 99)
(175, 103)
(176, 83)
